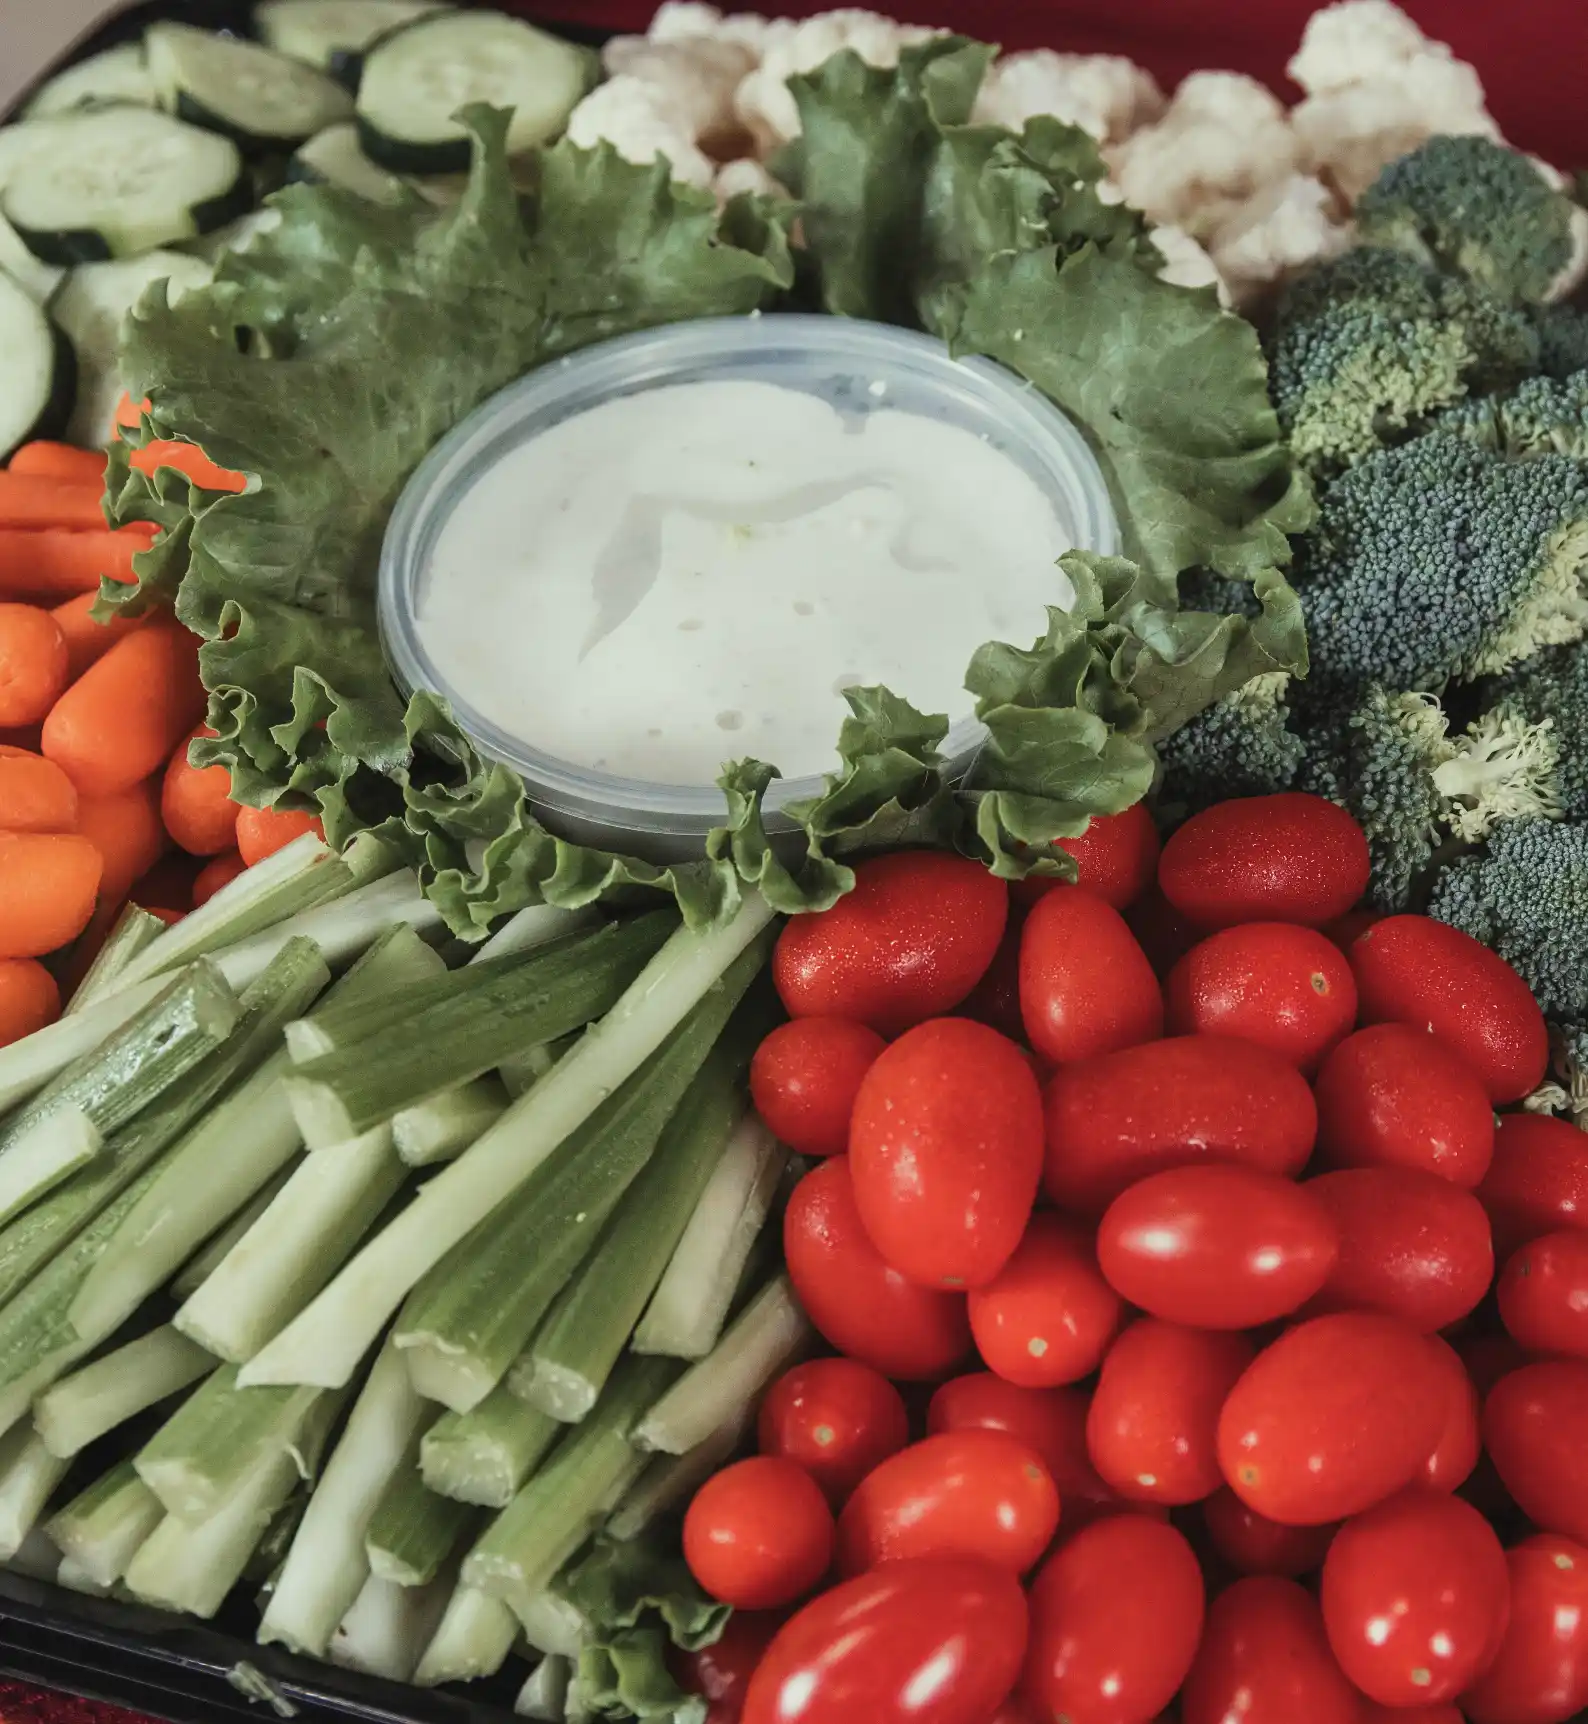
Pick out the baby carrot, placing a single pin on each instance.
(261, 832)
(190, 461)
(35, 795)
(120, 720)
(29, 999)
(48, 884)
(61, 461)
(221, 872)
(33, 664)
(86, 640)
(36, 503)
(57, 564)
(129, 414)
(196, 803)
(126, 830)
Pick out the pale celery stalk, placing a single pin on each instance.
(669, 1482)
(587, 1476)
(519, 1073)
(388, 1627)
(74, 1578)
(102, 1528)
(544, 1696)
(484, 1456)
(204, 1262)
(691, 1303)
(270, 1554)
(766, 1336)
(536, 926)
(56, 1147)
(319, 1217)
(442, 1128)
(414, 1532)
(326, 1342)
(26, 1066)
(135, 930)
(117, 1387)
(38, 1558)
(554, 1625)
(326, 1567)
(472, 1640)
(29, 1474)
(395, 964)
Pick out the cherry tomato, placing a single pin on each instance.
(1153, 1426)
(1013, 1711)
(907, 944)
(1535, 1428)
(1253, 1544)
(1396, 1096)
(1264, 1657)
(1113, 1120)
(1415, 1597)
(1217, 1246)
(759, 1534)
(863, 1308)
(1050, 1421)
(1414, 970)
(995, 1000)
(945, 1150)
(1538, 1180)
(1540, 1675)
(835, 1418)
(1116, 1615)
(720, 1673)
(966, 1493)
(1332, 1418)
(934, 1641)
(1085, 985)
(1372, 1713)
(1048, 1318)
(1286, 858)
(1543, 1295)
(1116, 858)
(805, 1077)
(1411, 1245)
(1456, 1453)
(1288, 988)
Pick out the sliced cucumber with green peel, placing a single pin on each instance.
(332, 35)
(37, 370)
(39, 281)
(416, 79)
(119, 74)
(263, 100)
(114, 182)
(335, 157)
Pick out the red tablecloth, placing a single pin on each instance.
(20, 1705)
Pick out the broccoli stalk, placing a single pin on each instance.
(1503, 768)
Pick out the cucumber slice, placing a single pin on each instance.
(417, 78)
(331, 35)
(114, 182)
(335, 157)
(262, 100)
(37, 280)
(117, 75)
(36, 369)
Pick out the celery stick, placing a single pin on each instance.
(571, 1357)
(519, 1073)
(762, 1340)
(72, 1577)
(29, 1474)
(135, 930)
(545, 1695)
(443, 1127)
(388, 1626)
(116, 1387)
(26, 1066)
(414, 1532)
(555, 1625)
(536, 926)
(485, 1455)
(326, 1342)
(209, 1256)
(566, 1501)
(102, 1528)
(474, 1637)
(394, 966)
(326, 1567)
(270, 1554)
(57, 1146)
(670, 1481)
(686, 1316)
(38, 1557)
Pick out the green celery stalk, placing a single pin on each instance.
(214, 1251)
(27, 1066)
(397, 965)
(473, 1640)
(519, 1073)
(537, 925)
(134, 932)
(29, 1474)
(388, 1627)
(414, 1532)
(544, 1695)
(116, 1387)
(484, 1456)
(669, 1482)
(441, 1129)
(269, 1555)
(72, 1577)
(102, 1528)
(62, 1143)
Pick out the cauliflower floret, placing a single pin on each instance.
(1354, 42)
(696, 79)
(746, 175)
(1293, 224)
(638, 121)
(688, 21)
(1185, 263)
(764, 103)
(1224, 138)
(1103, 94)
(1575, 272)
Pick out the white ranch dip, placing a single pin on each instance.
(695, 572)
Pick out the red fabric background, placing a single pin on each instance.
(1532, 53)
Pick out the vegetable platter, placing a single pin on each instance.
(1124, 1196)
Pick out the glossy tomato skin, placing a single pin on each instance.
(1114, 1120)
(1048, 1318)
(1373, 1713)
(720, 1673)
(982, 1494)
(1217, 1246)
(1264, 1657)
(1535, 1429)
(1085, 984)
(1537, 1182)
(907, 944)
(805, 1077)
(1050, 1421)
(1333, 1417)
(1414, 970)
(1286, 858)
(1252, 1544)
(1116, 858)
(1116, 1615)
(1540, 1675)
(1415, 1598)
(932, 1641)
(1288, 988)
(1456, 1453)
(1543, 1295)
(945, 1149)
(759, 1534)
(837, 1419)
(1393, 1095)
(862, 1307)
(1412, 1245)
(1152, 1430)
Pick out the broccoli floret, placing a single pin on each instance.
(1438, 560)
(1469, 204)
(1562, 332)
(1525, 894)
(1239, 746)
(1540, 416)
(1370, 344)
(1552, 690)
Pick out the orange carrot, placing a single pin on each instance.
(55, 565)
(120, 720)
(196, 803)
(59, 461)
(190, 461)
(221, 872)
(86, 640)
(33, 664)
(125, 828)
(29, 999)
(35, 795)
(39, 503)
(261, 832)
(129, 415)
(48, 884)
